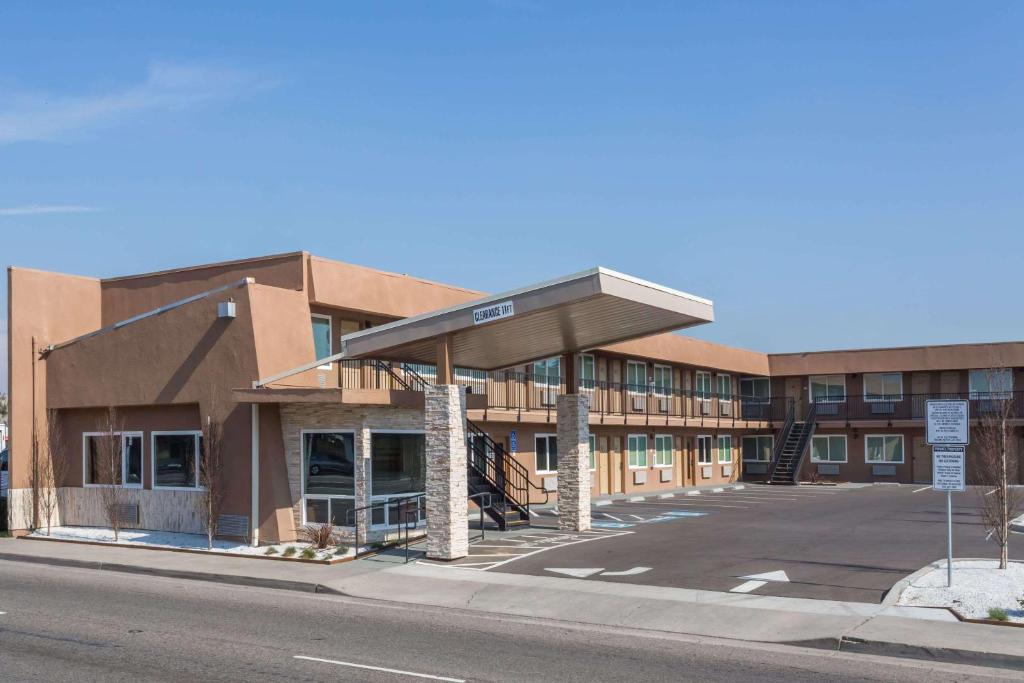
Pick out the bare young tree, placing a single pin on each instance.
(211, 476)
(49, 473)
(995, 466)
(108, 470)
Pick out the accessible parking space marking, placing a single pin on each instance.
(538, 544)
(382, 669)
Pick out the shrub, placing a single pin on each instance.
(271, 551)
(341, 550)
(998, 614)
(308, 554)
(289, 551)
(319, 536)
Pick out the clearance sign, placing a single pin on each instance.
(493, 312)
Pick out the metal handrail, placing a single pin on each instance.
(780, 444)
(406, 511)
(508, 476)
(810, 424)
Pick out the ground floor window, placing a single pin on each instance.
(883, 448)
(546, 448)
(663, 450)
(703, 450)
(176, 457)
(724, 450)
(757, 448)
(828, 448)
(637, 446)
(328, 466)
(397, 470)
(112, 459)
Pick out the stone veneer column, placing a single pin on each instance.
(447, 489)
(573, 462)
(362, 479)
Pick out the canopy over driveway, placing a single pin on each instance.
(569, 314)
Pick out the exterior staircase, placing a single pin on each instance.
(497, 483)
(791, 448)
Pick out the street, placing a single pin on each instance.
(62, 624)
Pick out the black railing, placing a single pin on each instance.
(780, 443)
(911, 406)
(505, 474)
(403, 514)
(805, 439)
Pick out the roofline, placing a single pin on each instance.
(149, 314)
(875, 349)
(52, 272)
(404, 276)
(204, 266)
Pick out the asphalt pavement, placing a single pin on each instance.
(69, 624)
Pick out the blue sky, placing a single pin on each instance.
(830, 174)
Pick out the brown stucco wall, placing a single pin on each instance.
(675, 348)
(951, 357)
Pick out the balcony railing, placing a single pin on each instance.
(912, 406)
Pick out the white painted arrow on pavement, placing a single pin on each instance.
(769, 576)
(578, 572)
(629, 572)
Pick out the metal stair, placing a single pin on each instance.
(492, 471)
(791, 447)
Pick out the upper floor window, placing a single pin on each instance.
(636, 376)
(883, 386)
(662, 380)
(321, 336)
(724, 387)
(702, 385)
(588, 371)
(548, 372)
(475, 380)
(755, 389)
(991, 383)
(828, 388)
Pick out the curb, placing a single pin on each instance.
(232, 579)
(947, 655)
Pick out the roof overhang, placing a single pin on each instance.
(569, 314)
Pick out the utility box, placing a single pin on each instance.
(226, 309)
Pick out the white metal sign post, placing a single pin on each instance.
(948, 432)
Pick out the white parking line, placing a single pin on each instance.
(667, 495)
(617, 519)
(601, 503)
(636, 516)
(700, 504)
(747, 587)
(636, 499)
(923, 488)
(367, 667)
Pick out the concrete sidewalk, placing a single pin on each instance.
(919, 633)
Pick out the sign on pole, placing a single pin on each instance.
(948, 468)
(947, 422)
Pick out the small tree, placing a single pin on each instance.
(211, 476)
(50, 470)
(108, 469)
(995, 464)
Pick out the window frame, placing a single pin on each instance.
(903, 449)
(1001, 394)
(727, 438)
(198, 438)
(124, 460)
(726, 398)
(711, 456)
(305, 472)
(756, 437)
(881, 398)
(330, 339)
(629, 465)
(378, 498)
(697, 391)
(546, 363)
(631, 387)
(671, 451)
(666, 371)
(536, 461)
(588, 384)
(826, 398)
(846, 449)
(751, 398)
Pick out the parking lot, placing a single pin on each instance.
(836, 543)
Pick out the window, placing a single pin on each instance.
(322, 337)
(724, 450)
(755, 389)
(120, 467)
(636, 376)
(176, 457)
(724, 388)
(328, 472)
(398, 470)
(593, 452)
(663, 450)
(991, 383)
(885, 448)
(637, 447)
(547, 453)
(703, 450)
(828, 449)
(547, 373)
(662, 380)
(757, 448)
(588, 374)
(828, 388)
(883, 386)
(476, 380)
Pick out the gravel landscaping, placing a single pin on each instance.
(978, 587)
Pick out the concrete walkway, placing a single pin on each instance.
(880, 629)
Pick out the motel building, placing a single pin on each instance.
(343, 390)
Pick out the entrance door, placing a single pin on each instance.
(603, 465)
(922, 461)
(615, 471)
(795, 391)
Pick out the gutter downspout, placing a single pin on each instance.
(255, 478)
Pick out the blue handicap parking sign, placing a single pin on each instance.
(513, 441)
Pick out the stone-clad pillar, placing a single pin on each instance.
(573, 462)
(364, 445)
(447, 489)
